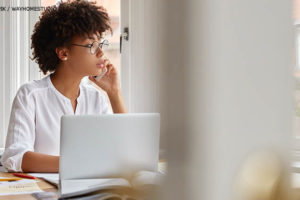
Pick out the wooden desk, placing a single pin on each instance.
(42, 184)
(162, 166)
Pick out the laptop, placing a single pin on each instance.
(107, 146)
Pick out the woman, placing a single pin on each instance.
(67, 41)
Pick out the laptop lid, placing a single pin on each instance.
(112, 145)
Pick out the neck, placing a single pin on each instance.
(66, 82)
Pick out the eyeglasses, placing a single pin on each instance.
(94, 47)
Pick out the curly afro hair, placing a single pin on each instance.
(59, 24)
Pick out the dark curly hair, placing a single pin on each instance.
(59, 24)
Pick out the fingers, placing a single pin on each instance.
(110, 67)
(106, 62)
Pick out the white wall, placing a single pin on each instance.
(141, 74)
(228, 90)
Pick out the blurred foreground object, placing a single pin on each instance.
(263, 176)
(227, 82)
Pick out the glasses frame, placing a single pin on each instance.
(100, 45)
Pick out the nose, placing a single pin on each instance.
(99, 53)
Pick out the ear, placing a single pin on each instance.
(62, 53)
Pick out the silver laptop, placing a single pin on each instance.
(106, 146)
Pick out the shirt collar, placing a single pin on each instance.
(60, 94)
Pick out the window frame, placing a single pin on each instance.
(17, 67)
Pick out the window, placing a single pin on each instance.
(113, 9)
(113, 52)
(16, 66)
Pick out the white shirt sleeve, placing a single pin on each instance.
(105, 106)
(21, 131)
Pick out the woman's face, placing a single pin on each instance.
(80, 58)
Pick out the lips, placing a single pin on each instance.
(100, 63)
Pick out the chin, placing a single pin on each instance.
(95, 73)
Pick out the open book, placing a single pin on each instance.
(70, 188)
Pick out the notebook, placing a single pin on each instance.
(77, 187)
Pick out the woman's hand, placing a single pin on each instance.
(111, 85)
(110, 82)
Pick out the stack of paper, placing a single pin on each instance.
(52, 178)
(24, 186)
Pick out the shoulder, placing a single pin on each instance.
(32, 87)
(25, 98)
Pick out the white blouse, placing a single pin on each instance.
(35, 118)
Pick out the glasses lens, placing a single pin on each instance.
(104, 45)
(94, 47)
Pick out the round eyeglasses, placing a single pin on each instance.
(95, 46)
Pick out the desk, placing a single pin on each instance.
(42, 184)
(162, 166)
